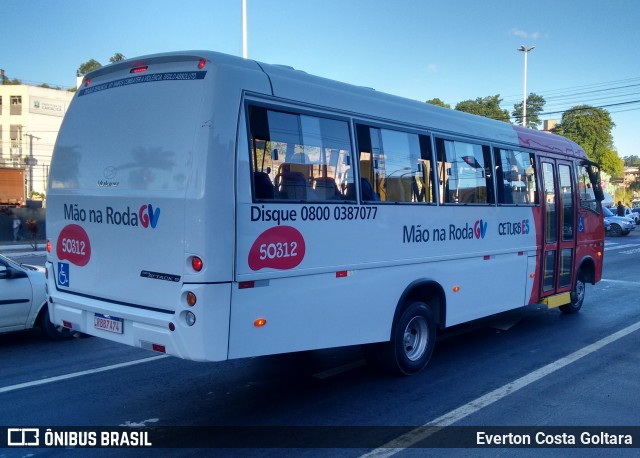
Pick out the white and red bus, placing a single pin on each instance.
(213, 208)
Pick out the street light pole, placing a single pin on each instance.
(245, 54)
(525, 50)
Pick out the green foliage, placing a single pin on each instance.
(591, 128)
(88, 66)
(632, 161)
(489, 107)
(535, 106)
(438, 102)
(612, 164)
(7, 82)
(117, 57)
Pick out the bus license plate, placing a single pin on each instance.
(108, 323)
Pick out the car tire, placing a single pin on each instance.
(52, 331)
(616, 230)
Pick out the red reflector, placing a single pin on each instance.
(197, 264)
(67, 324)
(159, 348)
(139, 69)
(172, 327)
(342, 273)
(486, 258)
(48, 246)
(246, 284)
(202, 63)
(520, 253)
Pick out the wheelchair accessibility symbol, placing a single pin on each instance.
(63, 274)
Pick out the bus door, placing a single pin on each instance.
(559, 234)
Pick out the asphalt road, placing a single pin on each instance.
(535, 368)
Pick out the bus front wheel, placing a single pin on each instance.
(412, 341)
(577, 296)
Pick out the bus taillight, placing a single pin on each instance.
(48, 246)
(196, 263)
(202, 63)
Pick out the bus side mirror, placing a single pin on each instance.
(599, 194)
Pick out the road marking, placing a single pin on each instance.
(59, 378)
(622, 282)
(419, 434)
(634, 251)
(620, 247)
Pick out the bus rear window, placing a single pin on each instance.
(295, 157)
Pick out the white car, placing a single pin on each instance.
(23, 301)
(635, 216)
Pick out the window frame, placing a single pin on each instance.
(536, 173)
(427, 134)
(297, 110)
(584, 203)
(15, 105)
(487, 148)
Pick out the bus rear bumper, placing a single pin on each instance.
(165, 332)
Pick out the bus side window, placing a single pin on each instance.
(586, 191)
(395, 166)
(465, 172)
(301, 158)
(515, 177)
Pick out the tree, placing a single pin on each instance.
(489, 107)
(7, 82)
(88, 66)
(590, 128)
(631, 161)
(535, 106)
(611, 163)
(117, 57)
(438, 102)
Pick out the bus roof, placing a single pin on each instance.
(296, 85)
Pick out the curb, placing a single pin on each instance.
(17, 250)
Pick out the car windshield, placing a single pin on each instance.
(607, 212)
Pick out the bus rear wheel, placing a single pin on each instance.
(412, 341)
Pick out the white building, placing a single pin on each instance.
(30, 118)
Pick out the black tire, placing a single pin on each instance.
(616, 230)
(577, 297)
(52, 331)
(413, 339)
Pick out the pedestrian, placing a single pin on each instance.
(620, 210)
(16, 227)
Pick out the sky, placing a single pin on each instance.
(586, 51)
